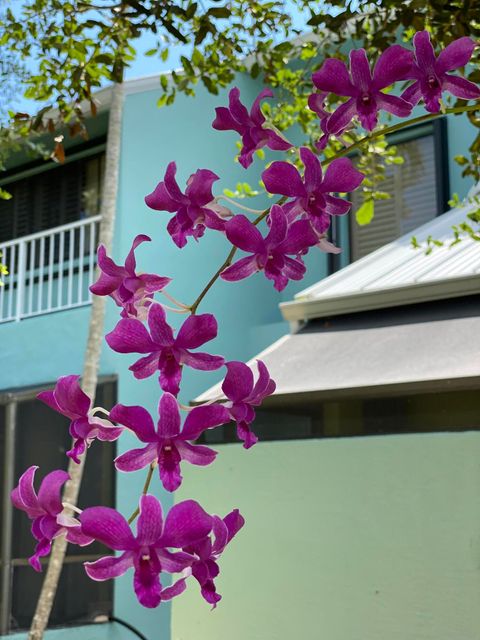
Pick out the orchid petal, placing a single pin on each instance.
(196, 453)
(244, 234)
(202, 361)
(333, 77)
(424, 52)
(160, 330)
(108, 527)
(150, 521)
(136, 459)
(186, 523)
(243, 268)
(196, 330)
(70, 398)
(283, 178)
(341, 176)
(109, 567)
(169, 423)
(201, 418)
(130, 336)
(135, 418)
(461, 87)
(238, 382)
(457, 54)
(394, 64)
(49, 497)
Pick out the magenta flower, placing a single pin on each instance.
(430, 73)
(147, 552)
(44, 509)
(313, 195)
(68, 399)
(269, 254)
(364, 91)
(194, 210)
(166, 353)
(133, 292)
(168, 445)
(316, 102)
(206, 552)
(243, 394)
(249, 125)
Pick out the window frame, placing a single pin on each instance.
(9, 401)
(438, 129)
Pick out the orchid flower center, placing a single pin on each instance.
(167, 447)
(432, 81)
(145, 557)
(366, 99)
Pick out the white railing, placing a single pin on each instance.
(49, 271)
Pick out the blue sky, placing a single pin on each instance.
(144, 65)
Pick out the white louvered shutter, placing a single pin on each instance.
(413, 188)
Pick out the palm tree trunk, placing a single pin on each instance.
(92, 358)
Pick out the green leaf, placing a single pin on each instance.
(5, 195)
(365, 214)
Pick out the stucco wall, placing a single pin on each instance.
(369, 538)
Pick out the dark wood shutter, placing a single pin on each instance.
(49, 199)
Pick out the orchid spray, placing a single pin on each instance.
(187, 541)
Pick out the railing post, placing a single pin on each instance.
(21, 278)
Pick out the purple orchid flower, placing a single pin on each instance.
(316, 102)
(166, 353)
(147, 552)
(270, 254)
(194, 210)
(44, 509)
(205, 568)
(243, 394)
(363, 89)
(131, 291)
(249, 125)
(430, 73)
(168, 445)
(68, 399)
(313, 195)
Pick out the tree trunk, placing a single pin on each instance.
(92, 358)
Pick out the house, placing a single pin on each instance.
(362, 498)
(48, 233)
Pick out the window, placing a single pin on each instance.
(419, 190)
(54, 197)
(373, 416)
(31, 433)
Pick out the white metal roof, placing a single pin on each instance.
(398, 274)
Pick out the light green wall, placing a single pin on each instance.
(373, 538)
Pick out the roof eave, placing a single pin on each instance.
(303, 310)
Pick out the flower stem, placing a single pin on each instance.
(145, 489)
(240, 206)
(398, 127)
(174, 300)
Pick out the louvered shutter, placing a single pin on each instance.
(51, 198)
(413, 188)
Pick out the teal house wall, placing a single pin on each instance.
(40, 349)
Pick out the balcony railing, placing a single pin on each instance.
(49, 271)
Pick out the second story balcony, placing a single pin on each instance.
(49, 270)
(49, 234)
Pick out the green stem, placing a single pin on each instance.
(228, 260)
(398, 127)
(145, 489)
